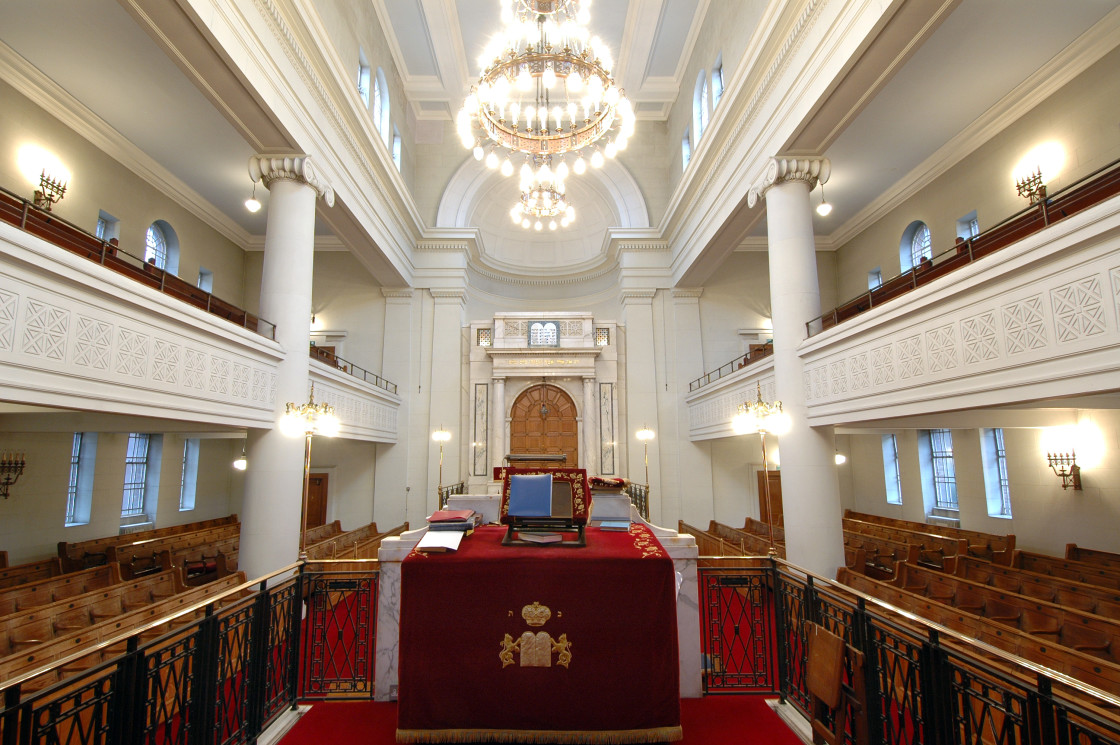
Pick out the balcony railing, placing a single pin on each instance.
(1081, 195)
(330, 358)
(756, 352)
(22, 213)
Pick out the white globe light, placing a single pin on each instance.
(478, 152)
(580, 165)
(538, 225)
(612, 150)
(597, 159)
(491, 160)
(525, 223)
(552, 225)
(507, 167)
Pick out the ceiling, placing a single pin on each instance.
(110, 69)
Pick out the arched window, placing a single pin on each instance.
(363, 76)
(700, 108)
(396, 148)
(915, 245)
(717, 82)
(161, 246)
(381, 106)
(686, 151)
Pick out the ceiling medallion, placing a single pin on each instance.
(545, 90)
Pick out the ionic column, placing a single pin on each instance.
(641, 394)
(270, 510)
(498, 422)
(590, 461)
(810, 492)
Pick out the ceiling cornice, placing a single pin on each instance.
(1090, 47)
(52, 98)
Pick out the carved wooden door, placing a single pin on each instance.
(543, 420)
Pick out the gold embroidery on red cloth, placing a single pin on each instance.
(535, 649)
(645, 542)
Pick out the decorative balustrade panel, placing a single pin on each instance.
(711, 408)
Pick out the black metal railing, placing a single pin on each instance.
(757, 352)
(227, 669)
(450, 490)
(22, 213)
(639, 497)
(923, 683)
(1098, 186)
(330, 358)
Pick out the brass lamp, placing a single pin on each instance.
(308, 419)
(441, 436)
(765, 418)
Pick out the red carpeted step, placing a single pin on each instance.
(713, 720)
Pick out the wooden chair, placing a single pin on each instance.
(835, 706)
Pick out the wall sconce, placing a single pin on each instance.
(50, 191)
(1064, 466)
(1031, 187)
(11, 468)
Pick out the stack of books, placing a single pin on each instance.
(461, 520)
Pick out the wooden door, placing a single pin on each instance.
(316, 500)
(543, 420)
(775, 498)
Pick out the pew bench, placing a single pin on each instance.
(75, 554)
(1067, 569)
(34, 571)
(62, 586)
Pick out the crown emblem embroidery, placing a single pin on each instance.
(536, 649)
(536, 614)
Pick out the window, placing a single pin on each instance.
(686, 150)
(890, 470)
(381, 106)
(544, 334)
(79, 495)
(700, 105)
(944, 472)
(363, 77)
(161, 246)
(602, 337)
(968, 226)
(915, 245)
(189, 480)
(717, 82)
(108, 227)
(996, 486)
(485, 337)
(205, 279)
(397, 148)
(874, 278)
(141, 475)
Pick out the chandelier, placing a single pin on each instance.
(545, 89)
(543, 196)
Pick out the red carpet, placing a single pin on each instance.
(714, 720)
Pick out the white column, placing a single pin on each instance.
(446, 392)
(590, 460)
(390, 477)
(641, 395)
(692, 481)
(497, 423)
(810, 492)
(270, 511)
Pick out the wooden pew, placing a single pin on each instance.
(983, 545)
(1077, 571)
(1080, 665)
(65, 645)
(83, 554)
(933, 549)
(139, 557)
(26, 629)
(751, 544)
(1101, 601)
(364, 547)
(881, 555)
(22, 574)
(46, 591)
(3, 559)
(1106, 559)
(321, 533)
(331, 547)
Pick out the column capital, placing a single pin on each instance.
(686, 293)
(781, 170)
(268, 168)
(448, 295)
(637, 296)
(396, 292)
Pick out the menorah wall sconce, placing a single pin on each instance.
(50, 191)
(1064, 466)
(1031, 187)
(11, 468)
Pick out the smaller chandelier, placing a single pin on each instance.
(760, 416)
(543, 196)
(309, 418)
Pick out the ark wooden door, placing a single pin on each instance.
(543, 420)
(775, 498)
(316, 500)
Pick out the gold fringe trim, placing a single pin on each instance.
(575, 737)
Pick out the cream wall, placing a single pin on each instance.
(1082, 116)
(32, 518)
(100, 183)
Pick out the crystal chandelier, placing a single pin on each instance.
(543, 196)
(545, 90)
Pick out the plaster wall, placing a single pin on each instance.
(1081, 117)
(99, 182)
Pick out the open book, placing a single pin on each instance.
(438, 541)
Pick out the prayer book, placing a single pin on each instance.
(438, 541)
(541, 537)
(618, 525)
(530, 495)
(443, 516)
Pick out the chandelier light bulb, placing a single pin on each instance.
(580, 166)
(525, 223)
(491, 160)
(548, 78)
(515, 214)
(552, 225)
(478, 152)
(597, 159)
(537, 225)
(507, 167)
(611, 149)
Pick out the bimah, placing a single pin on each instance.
(538, 500)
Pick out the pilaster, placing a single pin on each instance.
(693, 472)
(391, 473)
(641, 394)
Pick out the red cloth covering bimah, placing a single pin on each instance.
(540, 644)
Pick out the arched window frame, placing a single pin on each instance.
(686, 150)
(381, 106)
(717, 82)
(700, 106)
(916, 244)
(363, 77)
